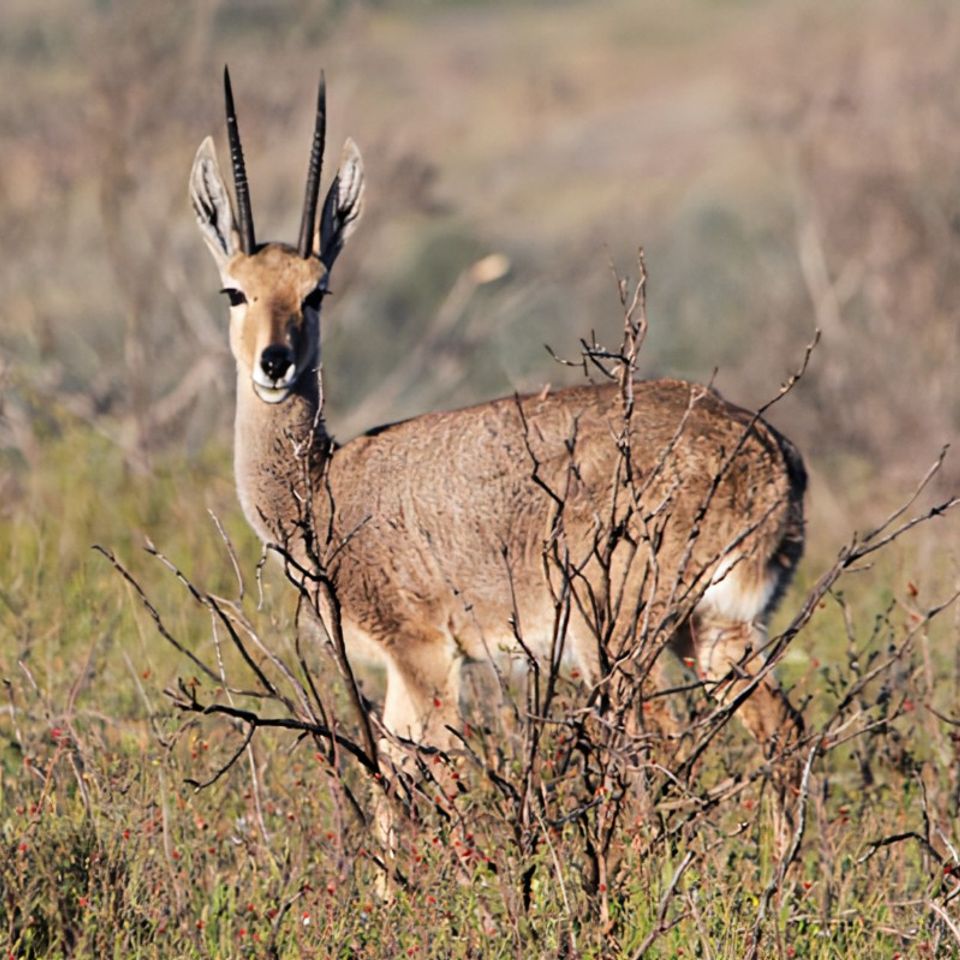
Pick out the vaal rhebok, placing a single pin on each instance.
(450, 535)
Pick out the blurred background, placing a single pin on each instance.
(786, 166)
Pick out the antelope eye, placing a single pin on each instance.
(315, 297)
(235, 296)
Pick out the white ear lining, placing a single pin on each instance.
(212, 204)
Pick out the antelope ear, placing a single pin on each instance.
(211, 204)
(343, 205)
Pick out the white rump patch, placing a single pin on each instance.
(731, 598)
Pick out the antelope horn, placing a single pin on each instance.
(244, 213)
(305, 247)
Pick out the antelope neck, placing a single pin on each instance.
(270, 444)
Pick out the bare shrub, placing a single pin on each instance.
(579, 791)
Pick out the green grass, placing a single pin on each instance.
(107, 851)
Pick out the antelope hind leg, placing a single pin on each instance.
(727, 653)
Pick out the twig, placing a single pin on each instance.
(155, 614)
(776, 882)
(184, 702)
(948, 921)
(876, 845)
(662, 926)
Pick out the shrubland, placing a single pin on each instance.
(786, 169)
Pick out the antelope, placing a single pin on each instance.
(438, 526)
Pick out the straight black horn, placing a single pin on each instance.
(305, 247)
(244, 213)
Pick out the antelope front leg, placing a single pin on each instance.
(421, 705)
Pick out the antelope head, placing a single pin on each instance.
(275, 290)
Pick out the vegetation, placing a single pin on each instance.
(109, 848)
(786, 166)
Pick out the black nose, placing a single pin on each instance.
(275, 360)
